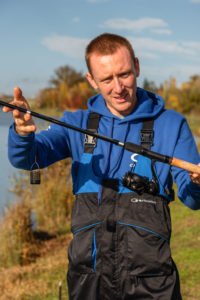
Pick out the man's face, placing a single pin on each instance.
(115, 76)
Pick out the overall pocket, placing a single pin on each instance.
(148, 230)
(148, 252)
(83, 248)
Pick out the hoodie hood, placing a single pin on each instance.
(149, 105)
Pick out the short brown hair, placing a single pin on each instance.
(105, 44)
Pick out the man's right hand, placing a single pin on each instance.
(24, 123)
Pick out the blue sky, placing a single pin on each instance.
(39, 36)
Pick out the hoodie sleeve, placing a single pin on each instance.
(46, 147)
(186, 149)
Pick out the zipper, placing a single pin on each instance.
(94, 251)
(94, 246)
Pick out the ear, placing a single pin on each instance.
(137, 67)
(91, 80)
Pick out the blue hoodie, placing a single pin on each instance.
(172, 137)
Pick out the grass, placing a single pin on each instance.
(186, 248)
(194, 123)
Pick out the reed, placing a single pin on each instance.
(53, 199)
(17, 240)
(40, 212)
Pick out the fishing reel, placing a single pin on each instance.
(141, 184)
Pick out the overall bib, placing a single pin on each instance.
(120, 248)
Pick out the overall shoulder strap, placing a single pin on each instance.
(147, 133)
(93, 125)
(146, 140)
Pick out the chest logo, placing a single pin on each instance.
(133, 158)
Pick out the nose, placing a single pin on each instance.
(118, 86)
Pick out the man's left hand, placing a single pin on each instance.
(195, 177)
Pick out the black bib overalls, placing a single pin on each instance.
(120, 249)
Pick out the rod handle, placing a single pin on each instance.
(185, 165)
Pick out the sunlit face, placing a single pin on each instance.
(115, 76)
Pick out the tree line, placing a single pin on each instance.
(68, 89)
(185, 99)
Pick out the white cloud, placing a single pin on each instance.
(135, 25)
(193, 45)
(161, 31)
(195, 1)
(149, 55)
(73, 47)
(144, 47)
(149, 44)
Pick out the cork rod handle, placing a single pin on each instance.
(185, 165)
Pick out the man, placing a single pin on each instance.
(120, 248)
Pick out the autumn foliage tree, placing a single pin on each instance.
(185, 99)
(68, 90)
(190, 100)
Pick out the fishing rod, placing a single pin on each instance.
(127, 145)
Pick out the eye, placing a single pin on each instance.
(125, 75)
(107, 80)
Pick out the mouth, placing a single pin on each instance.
(122, 98)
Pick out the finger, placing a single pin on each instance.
(197, 180)
(25, 120)
(27, 117)
(26, 129)
(16, 113)
(194, 175)
(6, 109)
(20, 122)
(18, 94)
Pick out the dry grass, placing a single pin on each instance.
(33, 261)
(38, 280)
(52, 201)
(18, 245)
